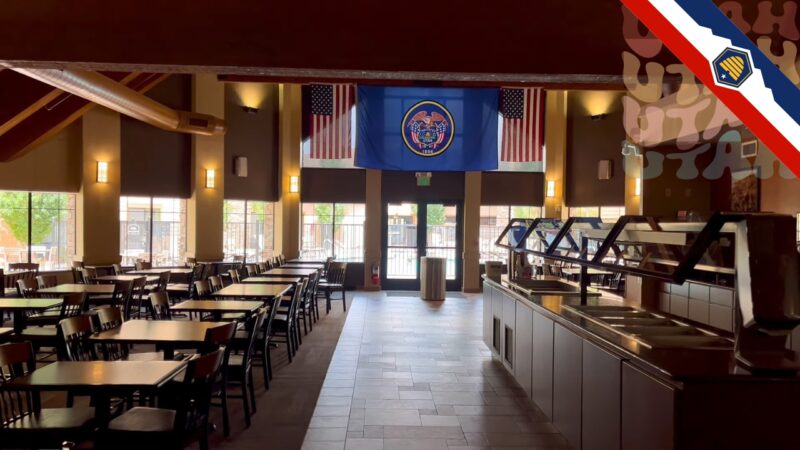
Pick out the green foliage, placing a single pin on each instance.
(436, 214)
(522, 212)
(324, 212)
(46, 210)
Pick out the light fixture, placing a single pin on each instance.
(294, 184)
(211, 178)
(551, 189)
(597, 117)
(102, 171)
(637, 191)
(250, 110)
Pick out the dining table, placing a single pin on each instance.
(165, 334)
(290, 272)
(78, 288)
(262, 292)
(265, 279)
(115, 278)
(306, 260)
(19, 306)
(303, 265)
(101, 380)
(160, 270)
(218, 307)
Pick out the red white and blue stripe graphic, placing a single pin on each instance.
(697, 32)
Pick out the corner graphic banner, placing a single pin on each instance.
(427, 129)
(732, 66)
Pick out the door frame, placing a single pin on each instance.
(422, 227)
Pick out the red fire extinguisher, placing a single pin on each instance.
(376, 274)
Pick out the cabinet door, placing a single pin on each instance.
(567, 375)
(509, 324)
(487, 314)
(648, 412)
(542, 364)
(601, 399)
(497, 322)
(524, 349)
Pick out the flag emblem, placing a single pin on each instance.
(732, 67)
(428, 128)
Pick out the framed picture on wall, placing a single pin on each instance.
(745, 190)
(750, 149)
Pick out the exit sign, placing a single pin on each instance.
(423, 179)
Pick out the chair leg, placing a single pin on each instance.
(252, 390)
(300, 335)
(289, 344)
(327, 301)
(226, 420)
(344, 300)
(245, 400)
(268, 364)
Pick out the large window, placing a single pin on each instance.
(248, 230)
(333, 229)
(609, 214)
(152, 229)
(493, 220)
(37, 227)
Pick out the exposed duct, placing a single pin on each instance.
(107, 92)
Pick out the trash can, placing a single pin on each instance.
(432, 278)
(494, 270)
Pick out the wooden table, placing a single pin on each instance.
(5, 332)
(218, 307)
(261, 279)
(159, 271)
(252, 290)
(19, 305)
(73, 288)
(306, 260)
(302, 265)
(167, 334)
(113, 278)
(100, 379)
(289, 273)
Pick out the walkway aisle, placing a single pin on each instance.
(409, 374)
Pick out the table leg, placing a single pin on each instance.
(19, 320)
(102, 409)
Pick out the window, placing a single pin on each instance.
(493, 220)
(332, 229)
(609, 214)
(152, 229)
(248, 230)
(37, 227)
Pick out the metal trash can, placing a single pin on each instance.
(432, 280)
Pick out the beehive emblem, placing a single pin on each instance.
(732, 67)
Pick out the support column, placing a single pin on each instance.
(204, 209)
(472, 223)
(372, 227)
(98, 203)
(287, 210)
(555, 139)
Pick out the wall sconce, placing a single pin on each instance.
(250, 110)
(551, 189)
(294, 184)
(211, 178)
(637, 190)
(102, 171)
(597, 117)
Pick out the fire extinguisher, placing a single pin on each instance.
(376, 274)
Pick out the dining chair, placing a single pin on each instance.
(22, 423)
(202, 289)
(141, 264)
(306, 309)
(46, 281)
(71, 305)
(334, 282)
(29, 267)
(284, 325)
(239, 370)
(159, 306)
(251, 270)
(263, 267)
(215, 283)
(186, 290)
(108, 319)
(117, 269)
(89, 274)
(27, 287)
(74, 332)
(144, 427)
(138, 298)
(235, 279)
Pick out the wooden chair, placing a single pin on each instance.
(186, 290)
(22, 423)
(138, 299)
(334, 282)
(235, 278)
(117, 269)
(284, 325)
(28, 267)
(77, 277)
(263, 267)
(239, 370)
(141, 264)
(144, 427)
(74, 332)
(71, 305)
(159, 306)
(27, 287)
(108, 319)
(202, 289)
(306, 309)
(251, 270)
(89, 274)
(215, 283)
(46, 281)
(191, 262)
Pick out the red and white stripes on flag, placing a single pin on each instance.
(331, 123)
(523, 124)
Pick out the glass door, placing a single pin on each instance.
(413, 230)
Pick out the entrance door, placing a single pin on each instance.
(414, 230)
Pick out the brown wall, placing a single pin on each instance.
(512, 188)
(589, 142)
(254, 136)
(155, 162)
(402, 186)
(333, 185)
(54, 165)
(667, 194)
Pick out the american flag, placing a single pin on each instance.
(331, 106)
(523, 124)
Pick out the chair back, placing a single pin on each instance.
(328, 262)
(235, 279)
(219, 336)
(163, 281)
(108, 319)
(214, 283)
(31, 267)
(297, 297)
(336, 272)
(27, 287)
(191, 262)
(117, 269)
(198, 386)
(251, 270)
(89, 274)
(73, 305)
(253, 326)
(276, 262)
(141, 264)
(202, 289)
(123, 291)
(159, 304)
(46, 281)
(311, 288)
(16, 360)
(263, 267)
(138, 292)
(74, 332)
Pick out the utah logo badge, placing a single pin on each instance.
(732, 67)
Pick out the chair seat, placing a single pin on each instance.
(36, 333)
(146, 356)
(327, 285)
(144, 420)
(233, 316)
(54, 419)
(175, 287)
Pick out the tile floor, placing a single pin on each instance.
(410, 374)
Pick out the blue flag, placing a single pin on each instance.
(427, 129)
